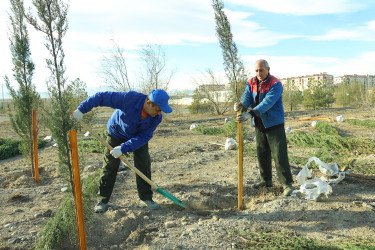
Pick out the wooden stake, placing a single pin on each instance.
(240, 164)
(77, 190)
(35, 142)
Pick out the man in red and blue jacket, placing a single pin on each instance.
(130, 127)
(263, 95)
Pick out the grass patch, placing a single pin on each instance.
(229, 129)
(362, 123)
(10, 147)
(261, 238)
(332, 142)
(91, 144)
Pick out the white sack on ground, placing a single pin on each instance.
(230, 144)
(340, 118)
(193, 126)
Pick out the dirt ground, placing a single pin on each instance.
(196, 169)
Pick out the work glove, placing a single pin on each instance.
(254, 112)
(77, 115)
(243, 117)
(116, 152)
(237, 106)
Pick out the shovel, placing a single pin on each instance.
(161, 191)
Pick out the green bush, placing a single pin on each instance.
(197, 107)
(64, 225)
(325, 128)
(11, 147)
(229, 130)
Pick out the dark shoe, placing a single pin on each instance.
(101, 207)
(288, 190)
(262, 184)
(151, 204)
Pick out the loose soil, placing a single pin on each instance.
(196, 169)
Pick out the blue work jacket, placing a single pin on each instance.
(125, 122)
(270, 104)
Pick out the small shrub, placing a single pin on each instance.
(11, 147)
(325, 128)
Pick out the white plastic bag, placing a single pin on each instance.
(313, 123)
(327, 169)
(314, 188)
(289, 130)
(230, 144)
(303, 175)
(193, 126)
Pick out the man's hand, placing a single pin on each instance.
(237, 106)
(116, 152)
(77, 115)
(254, 112)
(243, 117)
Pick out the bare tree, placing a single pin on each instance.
(211, 87)
(113, 70)
(154, 74)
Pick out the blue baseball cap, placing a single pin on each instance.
(160, 97)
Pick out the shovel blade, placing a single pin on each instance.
(171, 197)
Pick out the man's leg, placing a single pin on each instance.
(264, 157)
(111, 165)
(277, 141)
(142, 162)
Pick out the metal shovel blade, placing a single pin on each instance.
(171, 197)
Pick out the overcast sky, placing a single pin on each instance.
(296, 37)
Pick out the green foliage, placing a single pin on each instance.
(197, 106)
(77, 88)
(233, 65)
(229, 129)
(363, 123)
(291, 95)
(63, 225)
(350, 94)
(331, 142)
(318, 95)
(325, 128)
(24, 97)
(11, 147)
(92, 145)
(52, 22)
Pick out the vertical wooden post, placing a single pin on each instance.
(77, 190)
(240, 164)
(35, 144)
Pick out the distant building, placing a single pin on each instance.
(368, 81)
(302, 81)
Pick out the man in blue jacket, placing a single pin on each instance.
(130, 128)
(263, 95)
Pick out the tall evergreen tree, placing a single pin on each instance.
(25, 98)
(52, 22)
(233, 65)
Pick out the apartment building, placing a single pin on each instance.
(368, 81)
(301, 81)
